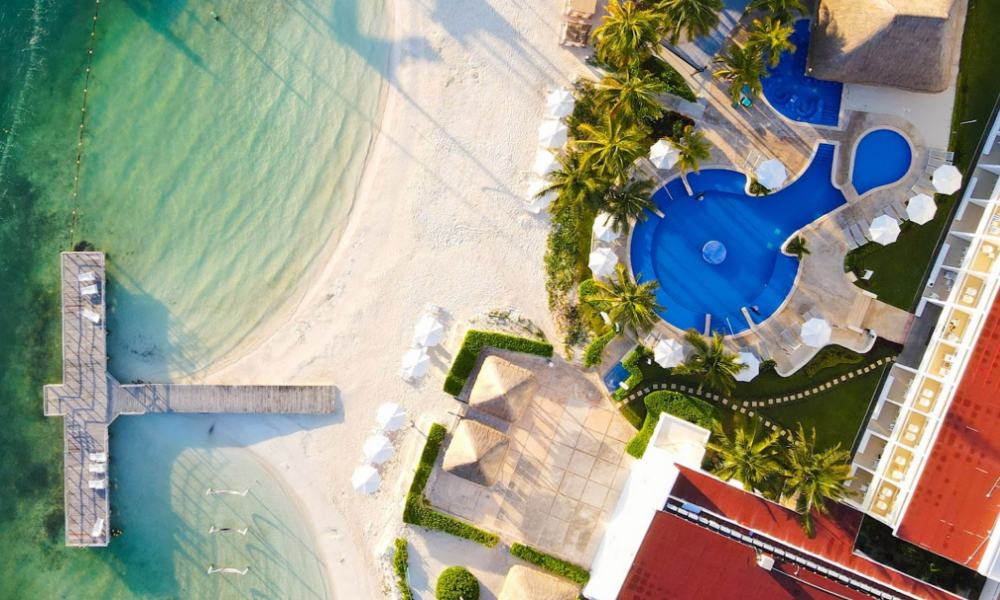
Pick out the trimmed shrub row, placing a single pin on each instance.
(474, 343)
(631, 364)
(690, 409)
(416, 513)
(832, 356)
(550, 563)
(400, 562)
(595, 351)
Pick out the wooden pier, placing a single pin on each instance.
(89, 399)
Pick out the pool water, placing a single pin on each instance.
(754, 272)
(796, 95)
(882, 157)
(614, 377)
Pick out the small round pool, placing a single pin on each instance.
(717, 251)
(883, 156)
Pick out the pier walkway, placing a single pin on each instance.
(89, 399)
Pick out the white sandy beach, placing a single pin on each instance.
(438, 221)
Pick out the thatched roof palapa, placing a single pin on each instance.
(523, 583)
(907, 44)
(476, 453)
(502, 389)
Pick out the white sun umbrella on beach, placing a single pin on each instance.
(366, 479)
(534, 202)
(377, 449)
(390, 416)
(552, 134)
(921, 209)
(429, 331)
(884, 230)
(545, 163)
(753, 367)
(604, 228)
(668, 353)
(559, 102)
(602, 262)
(663, 155)
(772, 174)
(947, 179)
(416, 363)
(816, 332)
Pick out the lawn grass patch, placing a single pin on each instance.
(475, 341)
(400, 564)
(832, 356)
(550, 563)
(690, 409)
(417, 510)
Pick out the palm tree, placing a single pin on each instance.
(613, 147)
(629, 305)
(812, 477)
(692, 148)
(631, 94)
(770, 38)
(627, 202)
(627, 35)
(751, 457)
(694, 18)
(742, 68)
(782, 10)
(797, 247)
(576, 183)
(711, 362)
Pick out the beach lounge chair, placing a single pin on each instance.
(763, 352)
(87, 277)
(99, 468)
(97, 484)
(859, 234)
(949, 156)
(791, 342)
(900, 210)
(863, 225)
(98, 528)
(91, 316)
(90, 290)
(98, 457)
(849, 238)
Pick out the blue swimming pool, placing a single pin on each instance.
(883, 156)
(614, 377)
(753, 272)
(796, 95)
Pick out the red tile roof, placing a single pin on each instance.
(683, 561)
(951, 511)
(835, 535)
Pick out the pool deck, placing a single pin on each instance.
(90, 398)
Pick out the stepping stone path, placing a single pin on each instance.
(744, 406)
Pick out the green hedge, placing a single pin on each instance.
(588, 288)
(457, 583)
(595, 351)
(831, 356)
(474, 343)
(416, 513)
(631, 364)
(690, 409)
(550, 563)
(401, 562)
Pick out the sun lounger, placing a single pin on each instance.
(97, 484)
(90, 290)
(87, 277)
(98, 457)
(900, 210)
(942, 154)
(858, 234)
(91, 316)
(98, 528)
(791, 342)
(763, 352)
(99, 468)
(849, 238)
(863, 225)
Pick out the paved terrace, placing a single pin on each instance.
(89, 399)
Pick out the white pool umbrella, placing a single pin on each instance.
(366, 479)
(545, 163)
(429, 331)
(602, 262)
(753, 367)
(816, 332)
(416, 363)
(377, 449)
(559, 102)
(552, 134)
(663, 155)
(390, 417)
(947, 179)
(534, 203)
(884, 230)
(772, 174)
(921, 209)
(668, 353)
(604, 228)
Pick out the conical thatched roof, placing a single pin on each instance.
(908, 44)
(476, 452)
(502, 389)
(523, 583)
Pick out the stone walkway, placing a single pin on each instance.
(747, 407)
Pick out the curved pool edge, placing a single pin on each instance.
(854, 153)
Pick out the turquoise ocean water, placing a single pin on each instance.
(219, 159)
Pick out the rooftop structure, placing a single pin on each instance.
(90, 398)
(525, 583)
(906, 44)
